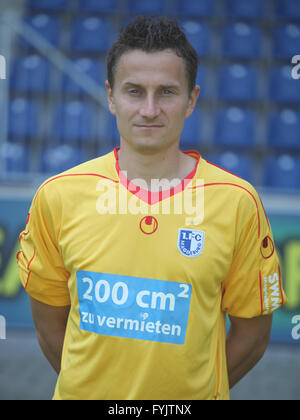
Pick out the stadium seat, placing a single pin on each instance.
(108, 130)
(284, 130)
(108, 136)
(286, 41)
(102, 6)
(203, 82)
(153, 7)
(47, 26)
(199, 35)
(245, 9)
(282, 172)
(53, 5)
(31, 74)
(90, 34)
(191, 134)
(106, 147)
(58, 159)
(95, 69)
(235, 127)
(73, 121)
(288, 9)
(24, 118)
(236, 163)
(241, 40)
(283, 88)
(15, 157)
(202, 8)
(237, 82)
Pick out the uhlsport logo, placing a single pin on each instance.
(2, 68)
(267, 247)
(2, 328)
(148, 225)
(190, 242)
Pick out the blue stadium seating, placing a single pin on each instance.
(283, 88)
(241, 40)
(284, 130)
(153, 7)
(73, 121)
(15, 157)
(200, 8)
(92, 68)
(58, 159)
(199, 35)
(235, 127)
(24, 118)
(282, 172)
(231, 86)
(108, 130)
(53, 5)
(91, 34)
(202, 82)
(289, 9)
(106, 147)
(102, 6)
(286, 41)
(237, 82)
(31, 74)
(47, 26)
(246, 9)
(236, 163)
(191, 134)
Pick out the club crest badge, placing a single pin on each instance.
(190, 242)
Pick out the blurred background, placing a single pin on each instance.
(54, 116)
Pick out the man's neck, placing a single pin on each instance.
(170, 165)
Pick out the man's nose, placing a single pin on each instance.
(150, 107)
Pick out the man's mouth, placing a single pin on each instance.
(148, 126)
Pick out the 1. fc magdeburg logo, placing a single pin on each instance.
(190, 242)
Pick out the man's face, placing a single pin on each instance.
(150, 99)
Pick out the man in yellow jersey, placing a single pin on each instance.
(132, 260)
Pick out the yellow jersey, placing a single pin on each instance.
(149, 277)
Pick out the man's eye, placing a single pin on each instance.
(167, 92)
(133, 91)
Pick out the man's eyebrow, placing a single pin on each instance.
(164, 86)
(170, 86)
(131, 84)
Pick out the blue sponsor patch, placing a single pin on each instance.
(190, 242)
(133, 307)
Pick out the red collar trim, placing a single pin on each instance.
(155, 197)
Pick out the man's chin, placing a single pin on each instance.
(149, 146)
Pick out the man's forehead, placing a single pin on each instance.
(156, 64)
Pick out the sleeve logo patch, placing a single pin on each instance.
(133, 307)
(271, 293)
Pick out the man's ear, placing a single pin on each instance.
(111, 103)
(192, 101)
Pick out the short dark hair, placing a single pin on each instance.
(152, 34)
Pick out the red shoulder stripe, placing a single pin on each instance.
(238, 186)
(67, 175)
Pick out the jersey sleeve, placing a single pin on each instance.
(41, 267)
(253, 286)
